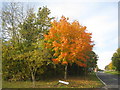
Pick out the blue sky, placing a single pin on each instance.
(100, 18)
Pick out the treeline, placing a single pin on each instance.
(115, 63)
(24, 55)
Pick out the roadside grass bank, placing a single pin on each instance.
(113, 72)
(89, 81)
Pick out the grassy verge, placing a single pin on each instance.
(89, 81)
(113, 72)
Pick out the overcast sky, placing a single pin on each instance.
(100, 18)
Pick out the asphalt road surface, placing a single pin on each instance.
(0, 81)
(110, 81)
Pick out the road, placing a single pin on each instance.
(110, 81)
(0, 81)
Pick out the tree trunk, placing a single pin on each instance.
(33, 79)
(65, 76)
(85, 74)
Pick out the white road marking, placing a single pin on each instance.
(115, 79)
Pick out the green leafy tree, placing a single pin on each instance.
(43, 20)
(92, 61)
(23, 60)
(35, 59)
(116, 59)
(106, 67)
(13, 69)
(11, 16)
(31, 32)
(110, 66)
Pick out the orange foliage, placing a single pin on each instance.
(64, 62)
(71, 40)
(55, 61)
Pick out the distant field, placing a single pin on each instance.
(113, 72)
(90, 81)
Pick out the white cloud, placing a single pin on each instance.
(104, 58)
(71, 10)
(102, 29)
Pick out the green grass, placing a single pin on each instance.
(89, 81)
(113, 72)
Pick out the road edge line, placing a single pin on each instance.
(100, 79)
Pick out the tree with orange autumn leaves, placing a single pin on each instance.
(70, 42)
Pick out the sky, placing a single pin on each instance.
(100, 18)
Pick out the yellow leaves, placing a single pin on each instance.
(111, 66)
